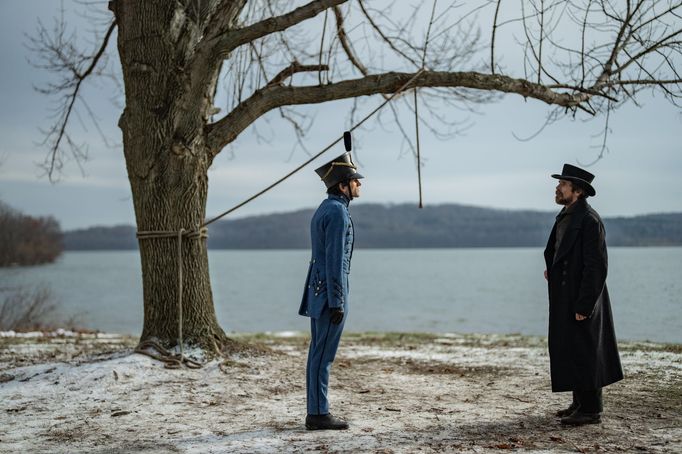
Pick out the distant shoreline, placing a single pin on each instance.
(401, 226)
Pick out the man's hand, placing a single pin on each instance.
(580, 317)
(546, 278)
(337, 315)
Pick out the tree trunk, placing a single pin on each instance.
(170, 201)
(167, 163)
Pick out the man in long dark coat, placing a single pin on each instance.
(582, 342)
(325, 295)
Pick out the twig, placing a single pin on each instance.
(294, 68)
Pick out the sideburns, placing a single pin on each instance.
(577, 190)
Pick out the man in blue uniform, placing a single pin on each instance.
(325, 296)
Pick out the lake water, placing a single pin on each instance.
(429, 290)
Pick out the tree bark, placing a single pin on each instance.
(167, 163)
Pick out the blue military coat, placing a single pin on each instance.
(331, 235)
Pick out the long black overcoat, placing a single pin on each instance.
(583, 354)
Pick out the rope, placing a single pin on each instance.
(180, 232)
(171, 360)
(419, 160)
(174, 360)
(324, 150)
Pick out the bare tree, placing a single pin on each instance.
(579, 57)
(27, 310)
(28, 240)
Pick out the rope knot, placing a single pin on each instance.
(198, 233)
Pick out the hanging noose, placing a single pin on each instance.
(419, 161)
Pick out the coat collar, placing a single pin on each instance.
(578, 212)
(577, 206)
(341, 198)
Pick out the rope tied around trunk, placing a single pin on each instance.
(172, 360)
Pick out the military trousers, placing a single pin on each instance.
(324, 341)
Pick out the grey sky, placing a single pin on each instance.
(485, 166)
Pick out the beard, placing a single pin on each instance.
(560, 199)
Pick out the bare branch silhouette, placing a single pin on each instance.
(57, 53)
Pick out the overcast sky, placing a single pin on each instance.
(484, 166)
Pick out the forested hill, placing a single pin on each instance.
(402, 226)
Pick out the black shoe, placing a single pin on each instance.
(568, 411)
(579, 418)
(325, 422)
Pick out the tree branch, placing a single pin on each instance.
(57, 133)
(294, 68)
(646, 82)
(224, 15)
(262, 101)
(648, 50)
(343, 39)
(232, 39)
(383, 36)
(580, 89)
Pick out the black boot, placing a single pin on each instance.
(325, 422)
(568, 411)
(579, 418)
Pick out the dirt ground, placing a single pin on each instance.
(400, 392)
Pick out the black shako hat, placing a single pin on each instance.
(337, 170)
(577, 175)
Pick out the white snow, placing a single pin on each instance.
(131, 403)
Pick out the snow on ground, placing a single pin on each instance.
(401, 393)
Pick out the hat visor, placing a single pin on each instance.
(356, 176)
(588, 187)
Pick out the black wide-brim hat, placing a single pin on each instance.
(337, 170)
(577, 175)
